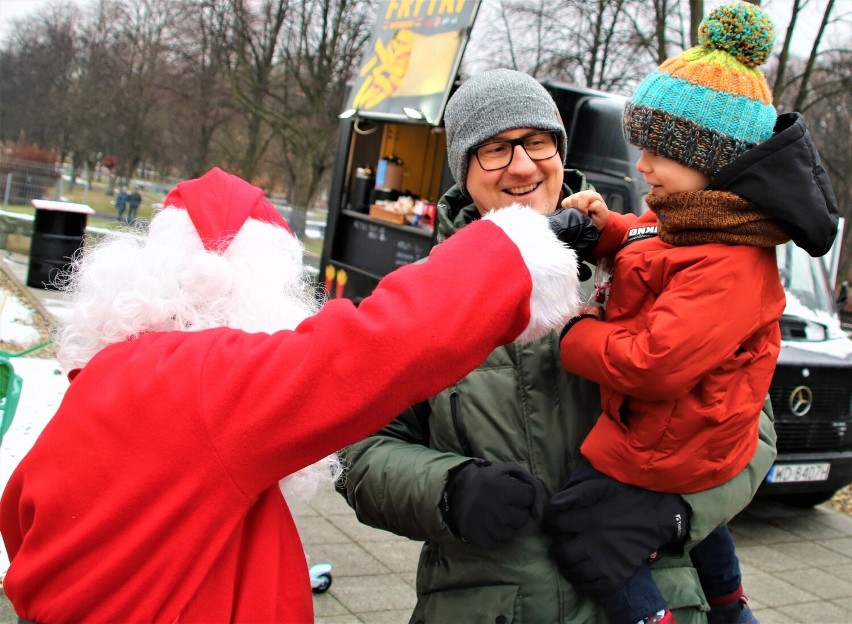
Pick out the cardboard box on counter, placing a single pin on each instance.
(378, 212)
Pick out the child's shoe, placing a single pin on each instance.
(663, 617)
(737, 612)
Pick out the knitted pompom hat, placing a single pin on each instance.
(493, 102)
(709, 104)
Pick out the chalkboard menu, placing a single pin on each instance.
(378, 247)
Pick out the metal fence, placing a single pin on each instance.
(22, 181)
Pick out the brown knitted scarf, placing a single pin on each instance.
(698, 217)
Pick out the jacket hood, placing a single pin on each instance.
(456, 208)
(784, 178)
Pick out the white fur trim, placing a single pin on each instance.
(167, 281)
(553, 267)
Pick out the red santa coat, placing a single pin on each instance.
(152, 494)
(684, 359)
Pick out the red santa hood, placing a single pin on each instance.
(218, 204)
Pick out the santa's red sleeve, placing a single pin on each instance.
(347, 371)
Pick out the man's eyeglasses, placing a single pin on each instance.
(498, 154)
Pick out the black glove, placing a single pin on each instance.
(604, 530)
(575, 229)
(487, 504)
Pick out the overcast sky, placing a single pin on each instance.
(779, 10)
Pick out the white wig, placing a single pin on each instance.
(167, 281)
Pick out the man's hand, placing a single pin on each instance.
(604, 530)
(590, 203)
(487, 504)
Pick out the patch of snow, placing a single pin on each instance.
(16, 320)
(42, 389)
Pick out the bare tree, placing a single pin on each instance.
(97, 129)
(657, 30)
(592, 43)
(325, 41)
(784, 53)
(141, 46)
(509, 33)
(828, 111)
(197, 103)
(255, 36)
(289, 65)
(117, 83)
(809, 68)
(39, 69)
(696, 14)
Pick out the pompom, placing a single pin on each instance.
(742, 30)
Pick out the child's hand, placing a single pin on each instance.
(590, 203)
(595, 310)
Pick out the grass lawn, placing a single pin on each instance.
(99, 201)
(104, 206)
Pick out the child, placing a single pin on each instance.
(687, 354)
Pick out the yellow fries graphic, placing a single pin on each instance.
(385, 70)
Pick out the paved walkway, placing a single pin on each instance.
(797, 564)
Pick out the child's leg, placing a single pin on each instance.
(718, 568)
(716, 562)
(639, 599)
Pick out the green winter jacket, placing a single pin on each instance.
(518, 407)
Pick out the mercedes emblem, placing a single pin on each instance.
(801, 400)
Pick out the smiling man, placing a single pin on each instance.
(468, 470)
(505, 149)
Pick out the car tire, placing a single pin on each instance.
(803, 500)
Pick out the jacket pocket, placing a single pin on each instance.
(495, 604)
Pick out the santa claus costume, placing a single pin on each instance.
(203, 375)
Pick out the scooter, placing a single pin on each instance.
(320, 577)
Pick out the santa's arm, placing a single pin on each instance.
(347, 371)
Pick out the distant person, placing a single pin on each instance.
(204, 380)
(688, 350)
(133, 201)
(121, 203)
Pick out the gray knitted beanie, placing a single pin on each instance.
(492, 102)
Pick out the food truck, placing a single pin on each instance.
(390, 168)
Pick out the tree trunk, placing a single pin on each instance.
(696, 14)
(780, 77)
(806, 77)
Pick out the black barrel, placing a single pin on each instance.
(58, 232)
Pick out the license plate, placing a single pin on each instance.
(793, 473)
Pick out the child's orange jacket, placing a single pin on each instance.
(684, 359)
